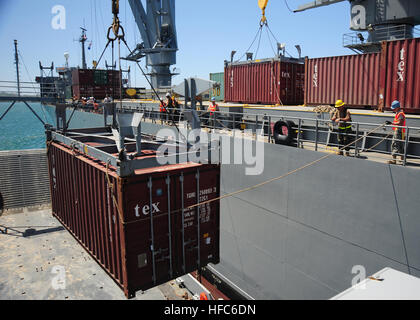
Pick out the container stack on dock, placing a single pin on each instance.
(141, 228)
(96, 83)
(270, 81)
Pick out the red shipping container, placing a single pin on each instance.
(400, 79)
(121, 227)
(82, 76)
(353, 79)
(270, 81)
(98, 92)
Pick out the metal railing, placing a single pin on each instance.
(380, 33)
(317, 134)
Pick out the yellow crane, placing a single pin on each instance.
(263, 4)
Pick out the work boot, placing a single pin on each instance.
(339, 153)
(393, 161)
(347, 153)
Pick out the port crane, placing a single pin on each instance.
(383, 20)
(158, 32)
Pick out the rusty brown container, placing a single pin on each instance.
(84, 84)
(269, 81)
(400, 79)
(142, 229)
(82, 77)
(353, 79)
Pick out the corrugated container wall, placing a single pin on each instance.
(218, 93)
(401, 79)
(120, 225)
(353, 79)
(270, 81)
(96, 83)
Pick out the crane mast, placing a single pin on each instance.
(158, 32)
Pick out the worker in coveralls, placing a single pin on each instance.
(163, 109)
(343, 118)
(212, 109)
(397, 146)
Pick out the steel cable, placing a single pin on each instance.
(252, 43)
(42, 109)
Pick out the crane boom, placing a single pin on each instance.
(316, 4)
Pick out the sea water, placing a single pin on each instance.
(20, 129)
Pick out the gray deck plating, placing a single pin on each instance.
(36, 244)
(300, 237)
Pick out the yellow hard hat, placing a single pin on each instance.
(339, 103)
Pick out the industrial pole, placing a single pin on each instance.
(17, 68)
(82, 41)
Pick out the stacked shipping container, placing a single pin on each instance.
(96, 83)
(353, 79)
(400, 76)
(271, 81)
(368, 80)
(363, 81)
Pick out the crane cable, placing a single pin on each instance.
(32, 84)
(119, 34)
(252, 43)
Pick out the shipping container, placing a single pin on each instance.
(353, 79)
(219, 92)
(400, 79)
(100, 77)
(98, 92)
(96, 83)
(270, 81)
(141, 228)
(82, 77)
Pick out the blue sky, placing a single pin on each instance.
(207, 32)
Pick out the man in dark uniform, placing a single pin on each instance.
(397, 145)
(343, 118)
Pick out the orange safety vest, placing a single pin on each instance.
(212, 108)
(162, 108)
(396, 121)
(203, 296)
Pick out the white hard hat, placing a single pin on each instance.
(168, 95)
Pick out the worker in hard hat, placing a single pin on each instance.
(397, 145)
(172, 107)
(212, 110)
(163, 111)
(342, 118)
